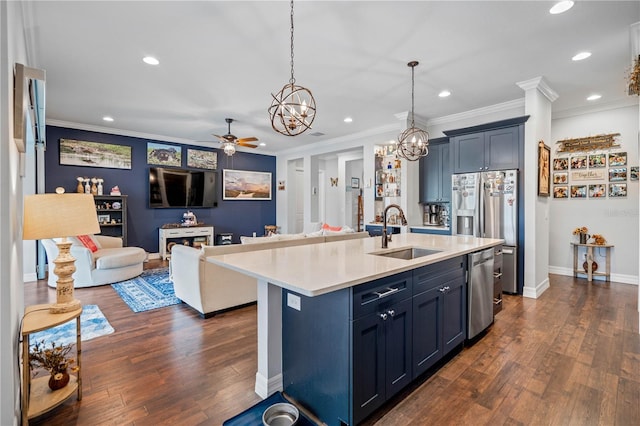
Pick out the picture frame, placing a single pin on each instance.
(579, 162)
(246, 185)
(578, 191)
(281, 185)
(598, 190)
(633, 172)
(617, 190)
(561, 191)
(94, 154)
(104, 218)
(164, 155)
(355, 183)
(617, 174)
(560, 178)
(597, 160)
(200, 159)
(560, 164)
(544, 167)
(617, 159)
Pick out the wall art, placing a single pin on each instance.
(544, 169)
(560, 178)
(94, 154)
(246, 185)
(581, 175)
(618, 159)
(598, 190)
(617, 190)
(578, 191)
(597, 160)
(589, 143)
(200, 159)
(560, 191)
(617, 174)
(560, 164)
(579, 162)
(164, 155)
(355, 183)
(633, 173)
(281, 185)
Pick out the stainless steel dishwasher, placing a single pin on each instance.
(480, 292)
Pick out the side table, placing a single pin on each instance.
(170, 231)
(590, 272)
(37, 398)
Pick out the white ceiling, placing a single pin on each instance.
(223, 59)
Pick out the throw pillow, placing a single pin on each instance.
(88, 242)
(326, 227)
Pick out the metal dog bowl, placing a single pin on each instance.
(280, 414)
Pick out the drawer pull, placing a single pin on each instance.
(383, 316)
(497, 274)
(389, 292)
(497, 301)
(391, 312)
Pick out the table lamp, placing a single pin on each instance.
(60, 216)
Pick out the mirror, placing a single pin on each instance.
(28, 99)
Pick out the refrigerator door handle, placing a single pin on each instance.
(481, 224)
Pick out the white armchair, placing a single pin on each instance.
(109, 264)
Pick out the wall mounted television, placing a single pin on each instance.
(181, 188)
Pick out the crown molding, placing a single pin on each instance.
(590, 109)
(541, 84)
(491, 109)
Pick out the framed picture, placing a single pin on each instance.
(633, 173)
(579, 162)
(355, 183)
(597, 160)
(578, 191)
(104, 218)
(560, 177)
(94, 154)
(544, 169)
(246, 185)
(618, 159)
(281, 185)
(617, 174)
(164, 155)
(560, 191)
(200, 159)
(617, 190)
(598, 190)
(560, 164)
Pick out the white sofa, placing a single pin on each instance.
(109, 264)
(210, 288)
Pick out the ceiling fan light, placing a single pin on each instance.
(229, 149)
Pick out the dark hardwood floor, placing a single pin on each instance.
(571, 357)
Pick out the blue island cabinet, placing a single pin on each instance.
(345, 353)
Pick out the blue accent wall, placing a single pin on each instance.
(240, 217)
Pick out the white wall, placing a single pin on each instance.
(12, 49)
(332, 193)
(615, 218)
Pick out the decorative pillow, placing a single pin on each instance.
(326, 227)
(88, 242)
(319, 233)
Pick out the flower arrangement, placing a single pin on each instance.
(53, 359)
(580, 230)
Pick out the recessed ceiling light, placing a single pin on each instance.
(594, 97)
(560, 7)
(150, 60)
(348, 120)
(444, 94)
(262, 144)
(107, 118)
(580, 56)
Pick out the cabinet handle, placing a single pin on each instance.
(442, 290)
(383, 316)
(391, 312)
(497, 274)
(497, 301)
(389, 292)
(447, 288)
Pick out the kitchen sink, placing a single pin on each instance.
(407, 253)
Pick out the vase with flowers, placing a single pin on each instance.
(582, 233)
(53, 358)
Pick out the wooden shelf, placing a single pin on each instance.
(43, 399)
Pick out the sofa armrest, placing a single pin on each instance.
(186, 264)
(108, 242)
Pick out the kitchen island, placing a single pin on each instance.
(328, 301)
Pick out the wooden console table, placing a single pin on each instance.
(590, 272)
(188, 232)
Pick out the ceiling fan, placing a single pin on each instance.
(229, 141)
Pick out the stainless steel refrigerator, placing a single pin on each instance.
(485, 204)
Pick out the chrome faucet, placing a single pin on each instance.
(385, 238)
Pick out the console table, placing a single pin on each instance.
(171, 231)
(590, 272)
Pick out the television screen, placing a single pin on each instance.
(180, 188)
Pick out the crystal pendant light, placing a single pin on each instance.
(293, 108)
(413, 143)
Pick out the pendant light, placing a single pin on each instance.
(413, 143)
(293, 108)
(229, 148)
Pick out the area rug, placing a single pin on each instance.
(151, 290)
(92, 323)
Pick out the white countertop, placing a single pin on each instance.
(315, 269)
(435, 227)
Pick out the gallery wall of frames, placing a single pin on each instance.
(597, 175)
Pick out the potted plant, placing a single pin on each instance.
(582, 232)
(54, 359)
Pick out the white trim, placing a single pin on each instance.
(534, 293)
(617, 278)
(265, 387)
(598, 107)
(491, 109)
(541, 84)
(29, 277)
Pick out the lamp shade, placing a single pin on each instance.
(59, 215)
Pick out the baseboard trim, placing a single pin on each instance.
(265, 387)
(153, 256)
(32, 276)
(534, 293)
(618, 278)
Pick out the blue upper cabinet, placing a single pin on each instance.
(435, 172)
(492, 146)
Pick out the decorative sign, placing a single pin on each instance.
(581, 175)
(589, 143)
